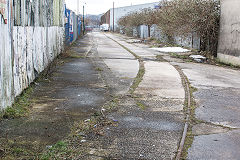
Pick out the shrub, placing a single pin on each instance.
(181, 18)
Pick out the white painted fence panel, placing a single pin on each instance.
(6, 78)
(29, 42)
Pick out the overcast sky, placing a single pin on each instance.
(102, 6)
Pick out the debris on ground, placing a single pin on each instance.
(134, 41)
(198, 58)
(171, 49)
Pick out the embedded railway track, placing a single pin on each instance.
(187, 103)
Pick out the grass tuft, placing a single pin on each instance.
(138, 79)
(56, 151)
(142, 106)
(99, 69)
(20, 108)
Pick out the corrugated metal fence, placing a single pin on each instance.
(32, 35)
(72, 26)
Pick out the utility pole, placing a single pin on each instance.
(78, 7)
(113, 16)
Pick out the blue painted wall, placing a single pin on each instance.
(72, 26)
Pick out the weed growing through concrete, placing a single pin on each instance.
(57, 151)
(138, 79)
(190, 137)
(189, 110)
(141, 71)
(72, 54)
(74, 145)
(111, 105)
(184, 57)
(220, 63)
(160, 58)
(99, 69)
(192, 120)
(76, 56)
(141, 106)
(21, 107)
(17, 149)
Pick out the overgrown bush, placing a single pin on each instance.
(144, 17)
(181, 18)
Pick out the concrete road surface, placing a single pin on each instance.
(146, 99)
(216, 132)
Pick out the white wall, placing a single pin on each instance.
(229, 39)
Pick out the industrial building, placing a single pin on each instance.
(112, 16)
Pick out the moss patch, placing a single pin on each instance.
(192, 121)
(138, 79)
